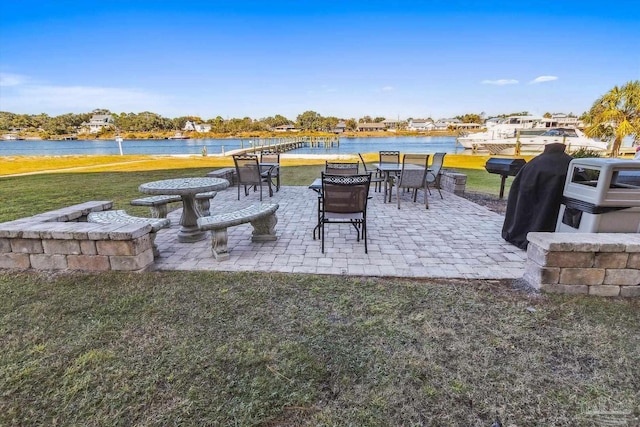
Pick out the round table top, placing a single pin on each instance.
(184, 186)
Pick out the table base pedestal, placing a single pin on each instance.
(190, 235)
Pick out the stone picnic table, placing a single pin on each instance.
(186, 188)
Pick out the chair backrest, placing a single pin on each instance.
(389, 156)
(364, 164)
(345, 193)
(414, 170)
(247, 168)
(344, 168)
(270, 157)
(436, 163)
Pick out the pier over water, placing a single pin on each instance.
(283, 144)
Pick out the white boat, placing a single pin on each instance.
(573, 138)
(502, 128)
(178, 135)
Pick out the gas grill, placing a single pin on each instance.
(504, 168)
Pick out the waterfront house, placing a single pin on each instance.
(371, 127)
(340, 127)
(286, 128)
(420, 125)
(197, 127)
(99, 122)
(391, 124)
(446, 124)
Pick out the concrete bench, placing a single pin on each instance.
(261, 216)
(203, 201)
(157, 204)
(121, 217)
(226, 173)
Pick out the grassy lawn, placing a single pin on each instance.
(207, 348)
(211, 348)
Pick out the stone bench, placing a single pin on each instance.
(261, 216)
(203, 201)
(121, 217)
(226, 173)
(157, 204)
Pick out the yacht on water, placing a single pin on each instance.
(573, 138)
(502, 128)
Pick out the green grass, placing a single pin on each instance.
(207, 348)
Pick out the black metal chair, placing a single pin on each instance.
(272, 157)
(249, 174)
(377, 179)
(344, 200)
(341, 168)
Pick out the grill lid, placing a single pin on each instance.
(508, 167)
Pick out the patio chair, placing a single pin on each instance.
(389, 156)
(377, 179)
(413, 176)
(342, 168)
(435, 172)
(249, 174)
(271, 157)
(344, 200)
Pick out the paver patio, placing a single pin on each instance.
(454, 238)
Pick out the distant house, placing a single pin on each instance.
(340, 127)
(371, 127)
(99, 122)
(285, 128)
(420, 125)
(197, 127)
(445, 124)
(391, 124)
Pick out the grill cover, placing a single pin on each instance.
(504, 167)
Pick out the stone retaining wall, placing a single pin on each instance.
(226, 173)
(63, 240)
(453, 182)
(603, 264)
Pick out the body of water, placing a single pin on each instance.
(416, 144)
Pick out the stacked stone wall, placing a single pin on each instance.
(63, 240)
(603, 264)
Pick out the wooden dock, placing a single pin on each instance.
(284, 144)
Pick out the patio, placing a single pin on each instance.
(454, 238)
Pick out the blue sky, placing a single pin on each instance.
(338, 58)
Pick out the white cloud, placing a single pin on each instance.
(7, 79)
(500, 82)
(387, 89)
(543, 79)
(34, 99)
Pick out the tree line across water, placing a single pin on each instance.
(310, 121)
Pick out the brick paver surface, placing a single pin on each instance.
(454, 238)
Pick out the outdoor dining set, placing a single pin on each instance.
(342, 191)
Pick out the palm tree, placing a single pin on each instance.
(616, 115)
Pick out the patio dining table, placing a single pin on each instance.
(186, 188)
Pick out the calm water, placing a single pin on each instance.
(419, 144)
